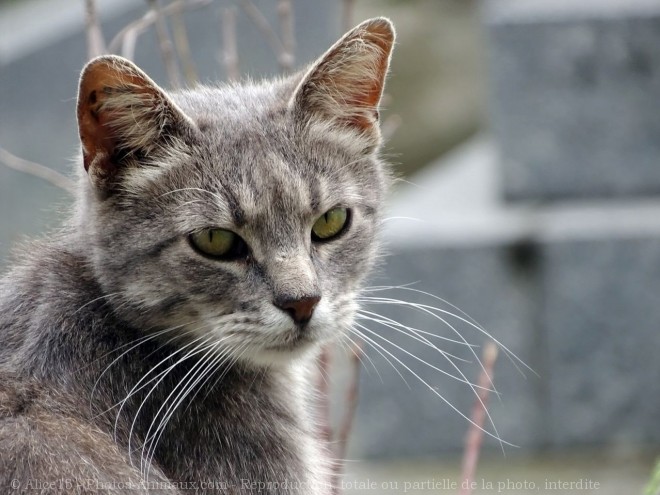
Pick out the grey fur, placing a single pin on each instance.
(90, 315)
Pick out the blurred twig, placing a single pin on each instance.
(165, 45)
(229, 44)
(347, 14)
(350, 408)
(323, 387)
(126, 38)
(474, 437)
(259, 19)
(182, 46)
(95, 41)
(287, 33)
(338, 439)
(37, 170)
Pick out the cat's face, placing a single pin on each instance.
(244, 216)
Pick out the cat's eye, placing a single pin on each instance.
(329, 225)
(219, 243)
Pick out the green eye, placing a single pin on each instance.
(219, 243)
(329, 225)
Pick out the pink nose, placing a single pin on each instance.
(301, 310)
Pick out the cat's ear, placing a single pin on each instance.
(346, 84)
(122, 115)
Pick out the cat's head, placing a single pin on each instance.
(246, 216)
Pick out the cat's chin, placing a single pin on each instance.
(282, 355)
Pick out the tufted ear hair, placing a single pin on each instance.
(123, 116)
(346, 84)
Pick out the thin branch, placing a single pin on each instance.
(95, 41)
(475, 434)
(350, 407)
(347, 14)
(37, 170)
(165, 45)
(128, 43)
(287, 33)
(323, 388)
(128, 35)
(182, 45)
(229, 44)
(267, 31)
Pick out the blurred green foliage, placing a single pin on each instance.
(653, 488)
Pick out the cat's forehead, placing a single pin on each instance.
(249, 140)
(235, 107)
(243, 130)
(261, 182)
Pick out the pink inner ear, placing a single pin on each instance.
(97, 141)
(352, 74)
(102, 79)
(379, 34)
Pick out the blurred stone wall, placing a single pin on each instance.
(547, 232)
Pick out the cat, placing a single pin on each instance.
(161, 342)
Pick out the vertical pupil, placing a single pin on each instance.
(325, 215)
(210, 236)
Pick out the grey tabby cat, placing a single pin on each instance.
(161, 341)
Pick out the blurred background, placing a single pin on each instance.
(526, 139)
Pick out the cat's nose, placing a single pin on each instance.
(300, 309)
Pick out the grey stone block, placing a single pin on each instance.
(601, 319)
(575, 87)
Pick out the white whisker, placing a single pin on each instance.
(184, 387)
(398, 302)
(106, 296)
(375, 346)
(139, 341)
(199, 347)
(515, 360)
(433, 390)
(462, 378)
(382, 319)
(350, 346)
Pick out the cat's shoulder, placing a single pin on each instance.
(47, 270)
(49, 447)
